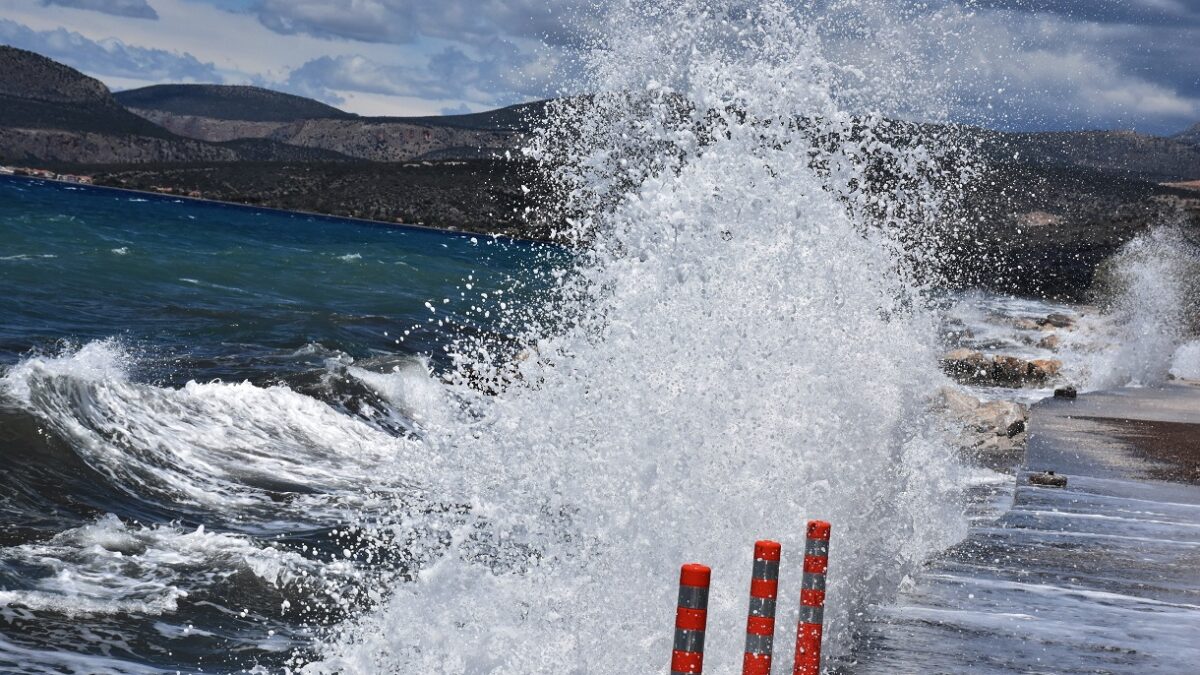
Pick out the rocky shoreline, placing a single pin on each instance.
(991, 430)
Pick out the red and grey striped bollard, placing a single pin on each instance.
(687, 658)
(760, 624)
(812, 599)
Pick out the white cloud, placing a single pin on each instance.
(110, 57)
(1015, 63)
(503, 75)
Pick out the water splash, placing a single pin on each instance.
(1150, 292)
(740, 347)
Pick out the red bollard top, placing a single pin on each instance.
(767, 550)
(818, 529)
(693, 574)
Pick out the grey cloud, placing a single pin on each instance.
(109, 57)
(139, 9)
(364, 20)
(1050, 71)
(555, 22)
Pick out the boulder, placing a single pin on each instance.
(966, 365)
(1043, 369)
(956, 402)
(1056, 321)
(1010, 371)
(1050, 342)
(1048, 479)
(1003, 418)
(990, 431)
(972, 367)
(1026, 324)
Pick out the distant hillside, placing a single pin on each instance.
(519, 117)
(38, 93)
(218, 114)
(226, 102)
(53, 114)
(33, 77)
(1191, 136)
(1124, 152)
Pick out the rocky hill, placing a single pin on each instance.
(32, 77)
(1191, 135)
(1047, 208)
(53, 114)
(224, 113)
(226, 102)
(1152, 158)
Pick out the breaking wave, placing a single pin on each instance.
(741, 347)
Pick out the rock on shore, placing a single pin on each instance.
(992, 432)
(972, 367)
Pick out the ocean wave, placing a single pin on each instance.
(250, 456)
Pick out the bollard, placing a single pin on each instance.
(760, 624)
(687, 658)
(812, 600)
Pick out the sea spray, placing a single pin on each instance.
(740, 347)
(1149, 295)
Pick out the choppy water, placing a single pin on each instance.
(195, 398)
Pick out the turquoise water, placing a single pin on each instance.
(223, 286)
(194, 399)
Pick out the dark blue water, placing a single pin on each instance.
(194, 399)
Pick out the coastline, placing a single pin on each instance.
(163, 196)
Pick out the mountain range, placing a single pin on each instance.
(1066, 196)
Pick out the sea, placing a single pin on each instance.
(195, 398)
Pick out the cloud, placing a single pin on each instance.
(139, 9)
(363, 20)
(505, 74)
(1141, 12)
(555, 22)
(1023, 69)
(1049, 70)
(110, 57)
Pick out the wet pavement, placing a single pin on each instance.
(1102, 576)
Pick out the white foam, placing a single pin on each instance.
(740, 354)
(110, 567)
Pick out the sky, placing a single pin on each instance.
(1019, 64)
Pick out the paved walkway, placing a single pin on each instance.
(1100, 577)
